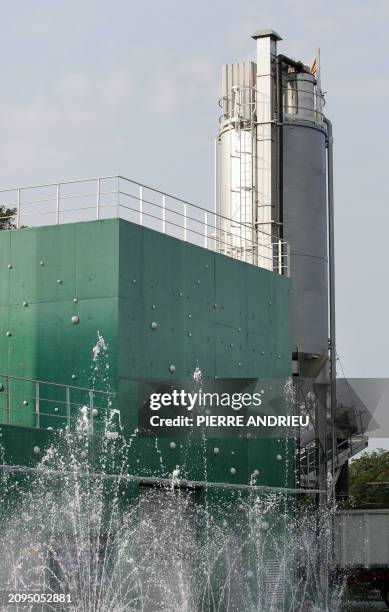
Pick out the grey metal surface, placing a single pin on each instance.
(241, 75)
(243, 168)
(235, 133)
(300, 96)
(362, 538)
(266, 34)
(305, 228)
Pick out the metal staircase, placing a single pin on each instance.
(308, 463)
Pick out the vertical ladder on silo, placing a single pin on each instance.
(242, 155)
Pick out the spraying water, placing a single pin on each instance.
(81, 525)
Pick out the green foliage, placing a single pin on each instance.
(7, 216)
(369, 480)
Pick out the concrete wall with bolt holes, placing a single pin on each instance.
(164, 307)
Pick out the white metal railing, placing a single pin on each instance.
(238, 105)
(47, 405)
(116, 196)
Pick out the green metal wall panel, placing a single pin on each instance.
(56, 272)
(229, 318)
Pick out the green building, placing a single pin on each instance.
(162, 306)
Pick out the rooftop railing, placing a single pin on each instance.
(118, 197)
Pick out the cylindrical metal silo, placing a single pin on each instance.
(235, 151)
(304, 210)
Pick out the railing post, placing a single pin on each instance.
(57, 204)
(91, 411)
(68, 408)
(8, 400)
(279, 256)
(164, 214)
(287, 254)
(37, 414)
(242, 241)
(225, 236)
(185, 223)
(206, 230)
(98, 199)
(140, 205)
(118, 197)
(18, 209)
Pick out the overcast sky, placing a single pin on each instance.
(93, 88)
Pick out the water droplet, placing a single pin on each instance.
(153, 325)
(233, 471)
(173, 445)
(197, 374)
(36, 450)
(75, 320)
(172, 368)
(216, 450)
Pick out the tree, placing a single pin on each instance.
(369, 480)
(7, 216)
